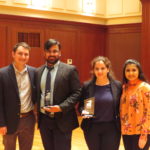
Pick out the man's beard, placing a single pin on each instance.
(52, 62)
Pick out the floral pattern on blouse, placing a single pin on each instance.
(135, 108)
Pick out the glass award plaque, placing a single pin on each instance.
(89, 105)
(47, 99)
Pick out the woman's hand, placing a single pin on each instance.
(85, 114)
(142, 140)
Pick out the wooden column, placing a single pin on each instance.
(145, 50)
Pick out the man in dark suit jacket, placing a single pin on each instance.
(17, 97)
(57, 115)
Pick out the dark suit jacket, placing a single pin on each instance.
(88, 91)
(9, 97)
(66, 94)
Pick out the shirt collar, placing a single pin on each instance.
(22, 72)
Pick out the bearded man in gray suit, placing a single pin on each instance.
(58, 89)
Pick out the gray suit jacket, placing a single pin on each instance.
(9, 97)
(66, 94)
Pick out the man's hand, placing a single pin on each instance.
(54, 108)
(142, 140)
(3, 130)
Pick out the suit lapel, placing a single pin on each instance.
(13, 78)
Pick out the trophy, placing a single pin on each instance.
(89, 105)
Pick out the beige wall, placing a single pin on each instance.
(101, 12)
(130, 10)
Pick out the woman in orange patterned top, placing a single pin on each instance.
(135, 108)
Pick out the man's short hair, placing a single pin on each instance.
(23, 44)
(51, 42)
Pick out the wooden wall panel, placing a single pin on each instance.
(80, 42)
(68, 40)
(145, 51)
(36, 58)
(3, 49)
(123, 42)
(92, 44)
(80, 45)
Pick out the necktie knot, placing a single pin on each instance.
(50, 68)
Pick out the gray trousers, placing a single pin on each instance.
(24, 133)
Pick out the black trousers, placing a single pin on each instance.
(103, 136)
(131, 142)
(52, 137)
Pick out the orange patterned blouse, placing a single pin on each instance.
(135, 108)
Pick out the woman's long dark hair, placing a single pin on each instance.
(132, 61)
(107, 63)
